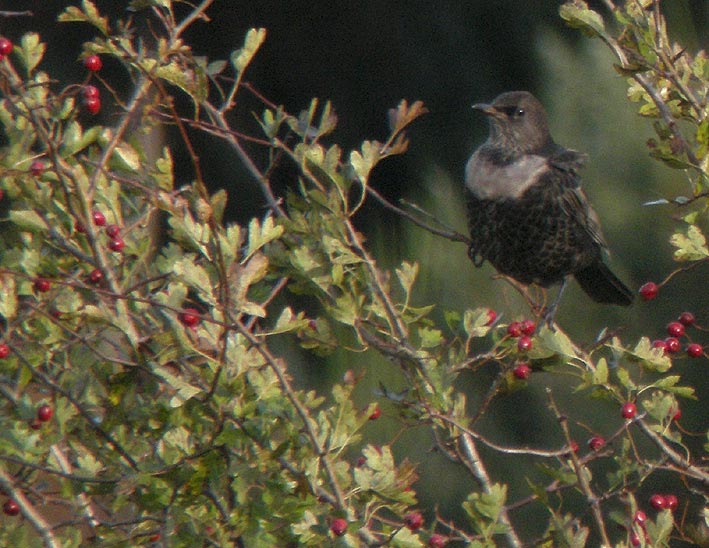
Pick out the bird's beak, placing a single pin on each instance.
(486, 109)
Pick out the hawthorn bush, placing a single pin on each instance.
(146, 397)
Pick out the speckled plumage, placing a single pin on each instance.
(528, 215)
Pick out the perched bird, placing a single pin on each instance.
(527, 213)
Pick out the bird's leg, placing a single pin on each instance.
(551, 311)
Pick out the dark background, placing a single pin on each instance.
(365, 57)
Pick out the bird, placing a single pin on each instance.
(527, 213)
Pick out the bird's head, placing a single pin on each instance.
(518, 122)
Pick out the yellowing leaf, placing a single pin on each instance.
(363, 162)
(690, 247)
(242, 57)
(8, 296)
(260, 235)
(126, 157)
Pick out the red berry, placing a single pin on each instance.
(528, 327)
(413, 520)
(659, 343)
(676, 414)
(522, 371)
(375, 414)
(10, 508)
(80, 228)
(649, 291)
(628, 410)
(44, 413)
(95, 276)
(695, 350)
(42, 285)
(113, 231)
(524, 343)
(338, 526)
(93, 63)
(437, 541)
(673, 345)
(92, 104)
(634, 539)
(37, 168)
(5, 47)
(361, 461)
(189, 317)
(98, 218)
(154, 537)
(4, 350)
(657, 502)
(491, 316)
(574, 446)
(640, 517)
(514, 329)
(671, 502)
(686, 319)
(675, 329)
(596, 442)
(116, 244)
(35, 424)
(89, 92)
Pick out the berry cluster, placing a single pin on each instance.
(113, 231)
(677, 330)
(44, 414)
(90, 96)
(658, 502)
(522, 331)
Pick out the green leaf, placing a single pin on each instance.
(652, 358)
(430, 338)
(556, 341)
(193, 83)
(407, 274)
(600, 375)
(475, 322)
(404, 538)
(288, 321)
(30, 51)
(577, 15)
(126, 157)
(184, 390)
(660, 530)
(87, 14)
(261, 234)
(690, 247)
(241, 58)
(138, 5)
(28, 219)
(624, 379)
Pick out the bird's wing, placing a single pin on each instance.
(566, 164)
(576, 204)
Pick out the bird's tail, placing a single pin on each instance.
(603, 286)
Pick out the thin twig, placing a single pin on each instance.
(581, 474)
(28, 510)
(475, 465)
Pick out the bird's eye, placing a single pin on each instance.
(513, 112)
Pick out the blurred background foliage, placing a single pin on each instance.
(365, 56)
